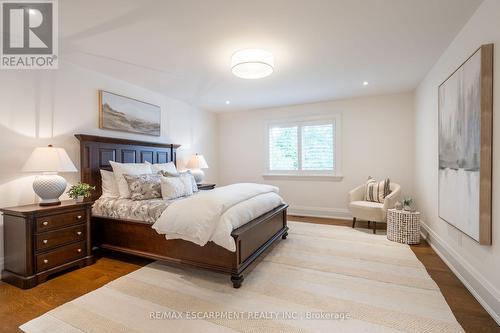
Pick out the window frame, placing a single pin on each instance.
(335, 174)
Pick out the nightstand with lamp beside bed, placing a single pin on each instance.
(50, 236)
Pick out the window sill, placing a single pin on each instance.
(317, 177)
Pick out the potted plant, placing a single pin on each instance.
(80, 191)
(407, 202)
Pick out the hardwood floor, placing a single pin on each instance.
(18, 306)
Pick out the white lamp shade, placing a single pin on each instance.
(197, 162)
(49, 159)
(252, 63)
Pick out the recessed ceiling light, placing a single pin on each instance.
(365, 83)
(228, 102)
(252, 63)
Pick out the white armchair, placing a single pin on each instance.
(371, 211)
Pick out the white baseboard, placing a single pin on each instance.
(335, 213)
(479, 287)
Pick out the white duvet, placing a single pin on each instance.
(213, 215)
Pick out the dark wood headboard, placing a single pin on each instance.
(97, 151)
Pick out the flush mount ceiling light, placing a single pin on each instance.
(252, 63)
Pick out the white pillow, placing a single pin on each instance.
(193, 181)
(167, 167)
(182, 173)
(176, 187)
(108, 184)
(133, 169)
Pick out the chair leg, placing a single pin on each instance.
(368, 224)
(353, 221)
(374, 227)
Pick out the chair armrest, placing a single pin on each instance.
(357, 194)
(391, 199)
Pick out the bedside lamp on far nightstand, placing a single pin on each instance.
(195, 164)
(49, 186)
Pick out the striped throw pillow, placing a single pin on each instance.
(377, 191)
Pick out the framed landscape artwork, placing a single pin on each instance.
(465, 146)
(126, 114)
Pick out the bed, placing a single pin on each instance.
(136, 236)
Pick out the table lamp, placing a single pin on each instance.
(196, 163)
(49, 186)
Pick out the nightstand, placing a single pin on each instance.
(43, 240)
(205, 186)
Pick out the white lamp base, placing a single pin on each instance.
(49, 188)
(198, 175)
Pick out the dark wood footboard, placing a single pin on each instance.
(138, 238)
(253, 238)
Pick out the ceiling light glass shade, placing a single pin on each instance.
(252, 63)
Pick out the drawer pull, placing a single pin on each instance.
(79, 250)
(45, 222)
(45, 241)
(45, 261)
(78, 233)
(79, 217)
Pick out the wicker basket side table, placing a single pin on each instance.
(403, 226)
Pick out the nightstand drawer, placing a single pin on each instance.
(55, 238)
(60, 256)
(60, 220)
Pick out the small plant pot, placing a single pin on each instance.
(407, 208)
(80, 198)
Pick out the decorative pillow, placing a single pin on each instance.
(142, 187)
(175, 187)
(193, 181)
(186, 173)
(119, 169)
(167, 167)
(108, 185)
(377, 191)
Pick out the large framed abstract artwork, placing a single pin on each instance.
(126, 114)
(465, 146)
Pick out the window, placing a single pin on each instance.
(303, 147)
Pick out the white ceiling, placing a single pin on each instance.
(324, 49)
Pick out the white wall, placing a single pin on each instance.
(48, 107)
(478, 266)
(377, 140)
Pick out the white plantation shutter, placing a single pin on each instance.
(302, 147)
(283, 150)
(317, 147)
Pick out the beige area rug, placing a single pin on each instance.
(321, 279)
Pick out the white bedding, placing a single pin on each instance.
(213, 215)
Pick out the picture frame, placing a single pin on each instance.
(465, 136)
(125, 114)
